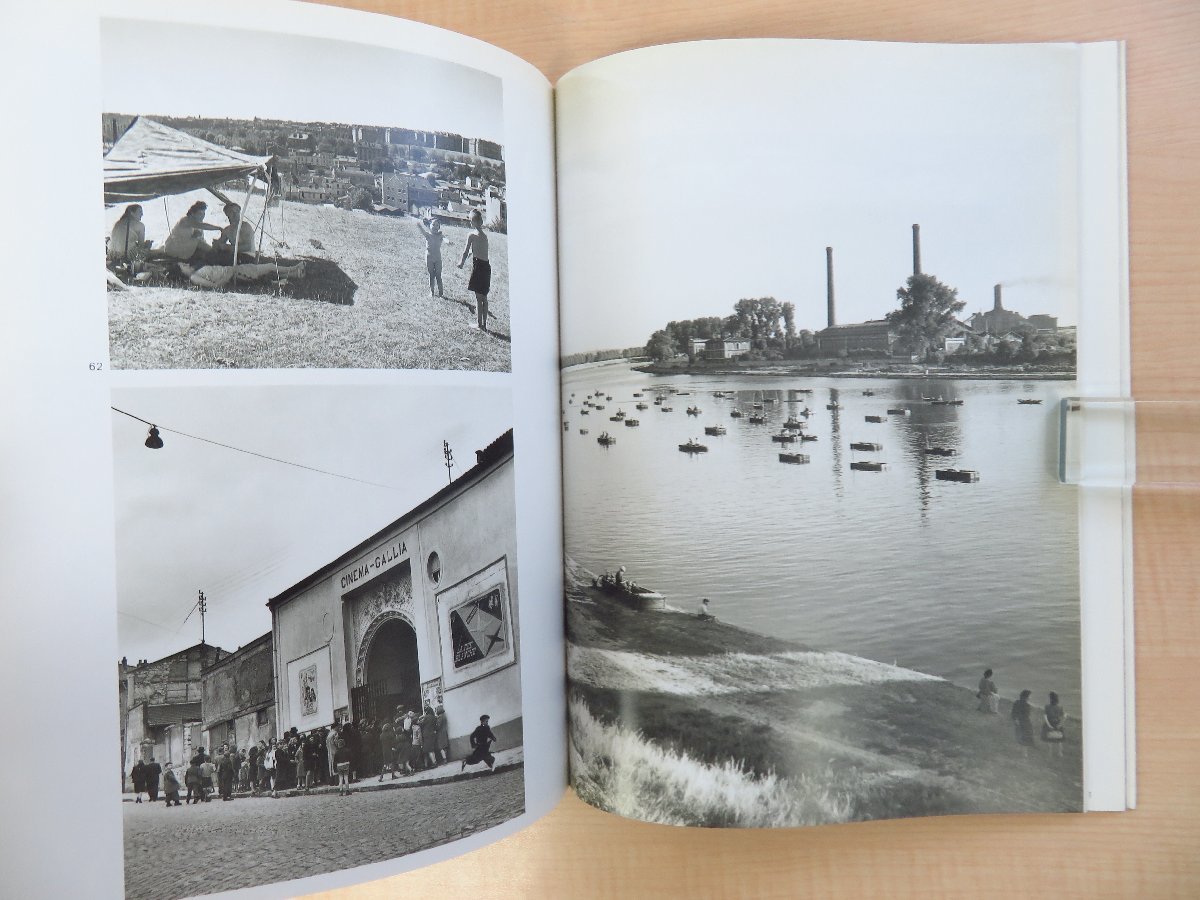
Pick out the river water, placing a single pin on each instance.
(943, 577)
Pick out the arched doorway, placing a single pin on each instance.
(391, 675)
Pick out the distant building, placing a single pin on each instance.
(874, 335)
(238, 696)
(161, 705)
(998, 321)
(725, 348)
(696, 346)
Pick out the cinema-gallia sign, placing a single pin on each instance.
(368, 567)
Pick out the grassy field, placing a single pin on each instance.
(686, 722)
(364, 303)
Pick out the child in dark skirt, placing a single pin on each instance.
(481, 268)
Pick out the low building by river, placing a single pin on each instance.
(424, 610)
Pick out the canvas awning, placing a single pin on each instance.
(153, 160)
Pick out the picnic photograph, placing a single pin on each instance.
(354, 215)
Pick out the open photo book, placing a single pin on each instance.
(417, 440)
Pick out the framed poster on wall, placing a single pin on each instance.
(310, 690)
(475, 625)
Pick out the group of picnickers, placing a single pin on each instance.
(1053, 716)
(339, 755)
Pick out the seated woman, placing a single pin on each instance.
(128, 239)
(186, 240)
(216, 277)
(237, 231)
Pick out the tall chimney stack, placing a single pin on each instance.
(916, 249)
(829, 286)
(997, 306)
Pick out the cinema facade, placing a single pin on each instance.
(423, 611)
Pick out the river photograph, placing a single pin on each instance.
(818, 567)
(868, 547)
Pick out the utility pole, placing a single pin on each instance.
(203, 606)
(449, 454)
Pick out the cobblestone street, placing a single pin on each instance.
(215, 846)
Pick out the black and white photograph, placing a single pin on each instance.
(317, 595)
(819, 567)
(349, 212)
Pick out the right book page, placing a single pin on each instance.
(820, 305)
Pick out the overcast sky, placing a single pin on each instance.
(693, 175)
(155, 68)
(193, 516)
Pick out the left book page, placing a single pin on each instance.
(288, 345)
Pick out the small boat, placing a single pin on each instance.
(833, 406)
(928, 399)
(637, 393)
(868, 393)
(714, 429)
(585, 412)
(606, 439)
(620, 414)
(566, 425)
(720, 395)
(583, 431)
(866, 446)
(693, 410)
(615, 418)
(967, 476)
(807, 437)
(683, 393)
(899, 411)
(608, 396)
(784, 437)
(598, 406)
(693, 446)
(795, 458)
(867, 466)
(736, 414)
(756, 406)
(598, 394)
(632, 423)
(801, 390)
(939, 451)
(769, 400)
(758, 420)
(1029, 401)
(658, 401)
(629, 592)
(642, 406)
(941, 402)
(875, 419)
(667, 408)
(794, 424)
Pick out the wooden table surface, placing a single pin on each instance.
(1151, 852)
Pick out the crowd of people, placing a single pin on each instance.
(340, 755)
(1022, 714)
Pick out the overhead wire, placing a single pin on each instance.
(286, 462)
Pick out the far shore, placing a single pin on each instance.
(923, 373)
(802, 736)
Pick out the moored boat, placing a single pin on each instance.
(736, 414)
(784, 437)
(875, 419)
(632, 423)
(899, 411)
(867, 466)
(1028, 401)
(606, 439)
(758, 420)
(794, 458)
(714, 429)
(866, 446)
(693, 446)
(939, 451)
(967, 476)
(693, 410)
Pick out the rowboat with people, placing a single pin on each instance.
(630, 593)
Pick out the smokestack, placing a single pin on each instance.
(997, 306)
(829, 285)
(916, 249)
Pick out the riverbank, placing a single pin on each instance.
(815, 370)
(691, 722)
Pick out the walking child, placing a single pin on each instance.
(481, 268)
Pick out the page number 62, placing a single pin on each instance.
(95, 366)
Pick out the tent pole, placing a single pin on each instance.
(237, 235)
